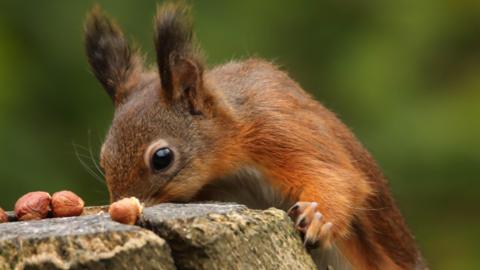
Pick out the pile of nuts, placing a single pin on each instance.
(39, 205)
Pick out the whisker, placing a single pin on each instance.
(85, 165)
(84, 156)
(79, 146)
(88, 156)
(95, 162)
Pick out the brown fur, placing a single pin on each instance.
(240, 114)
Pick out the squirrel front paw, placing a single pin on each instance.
(315, 230)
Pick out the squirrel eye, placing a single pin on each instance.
(162, 158)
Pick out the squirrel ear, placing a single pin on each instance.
(178, 59)
(110, 57)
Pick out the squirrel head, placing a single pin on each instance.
(167, 127)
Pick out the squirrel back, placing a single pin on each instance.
(260, 93)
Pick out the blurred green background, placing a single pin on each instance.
(404, 75)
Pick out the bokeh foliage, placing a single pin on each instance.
(404, 75)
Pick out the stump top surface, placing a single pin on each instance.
(61, 227)
(171, 211)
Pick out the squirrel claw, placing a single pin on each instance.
(314, 229)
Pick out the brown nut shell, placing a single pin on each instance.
(32, 206)
(66, 204)
(126, 210)
(3, 216)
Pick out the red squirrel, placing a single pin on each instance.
(241, 132)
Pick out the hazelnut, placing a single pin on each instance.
(3, 216)
(66, 204)
(33, 205)
(126, 210)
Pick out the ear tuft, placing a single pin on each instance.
(174, 43)
(109, 54)
(178, 60)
